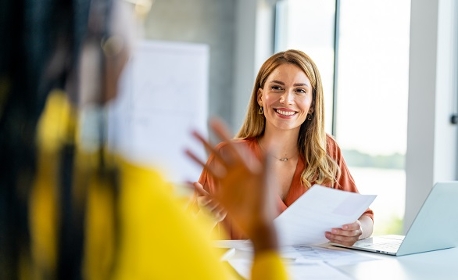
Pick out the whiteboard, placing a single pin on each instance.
(163, 96)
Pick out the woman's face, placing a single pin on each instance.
(286, 97)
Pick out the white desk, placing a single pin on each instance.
(436, 265)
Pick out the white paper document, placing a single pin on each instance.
(319, 210)
(297, 266)
(330, 255)
(302, 262)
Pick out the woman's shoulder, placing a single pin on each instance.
(331, 145)
(330, 139)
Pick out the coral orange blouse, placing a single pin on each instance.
(345, 181)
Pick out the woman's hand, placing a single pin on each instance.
(246, 192)
(207, 203)
(350, 233)
(347, 235)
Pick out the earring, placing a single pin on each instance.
(309, 117)
(261, 110)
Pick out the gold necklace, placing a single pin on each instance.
(283, 159)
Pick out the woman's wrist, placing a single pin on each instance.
(366, 226)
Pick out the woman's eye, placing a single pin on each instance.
(276, 88)
(301, 90)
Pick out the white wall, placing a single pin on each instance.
(254, 44)
(206, 22)
(431, 139)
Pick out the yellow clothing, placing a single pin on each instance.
(143, 233)
(159, 241)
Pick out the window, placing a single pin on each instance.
(371, 88)
(308, 25)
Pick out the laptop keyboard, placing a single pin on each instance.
(390, 247)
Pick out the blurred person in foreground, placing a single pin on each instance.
(69, 207)
(286, 112)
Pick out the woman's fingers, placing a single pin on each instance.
(224, 160)
(199, 188)
(233, 155)
(219, 169)
(220, 215)
(204, 200)
(347, 235)
(220, 129)
(217, 172)
(207, 145)
(195, 158)
(211, 206)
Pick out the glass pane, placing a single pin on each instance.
(308, 25)
(372, 91)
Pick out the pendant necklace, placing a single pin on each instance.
(283, 159)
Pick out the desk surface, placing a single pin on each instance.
(441, 264)
(437, 265)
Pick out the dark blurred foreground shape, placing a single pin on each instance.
(40, 51)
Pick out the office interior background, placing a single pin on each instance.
(389, 67)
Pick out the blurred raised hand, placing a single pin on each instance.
(247, 192)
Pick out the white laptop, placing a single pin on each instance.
(435, 227)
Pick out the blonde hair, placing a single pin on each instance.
(321, 168)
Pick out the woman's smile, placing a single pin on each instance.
(285, 112)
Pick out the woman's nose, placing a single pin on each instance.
(286, 97)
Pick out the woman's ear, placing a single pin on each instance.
(312, 108)
(260, 96)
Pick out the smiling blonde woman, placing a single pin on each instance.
(286, 114)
